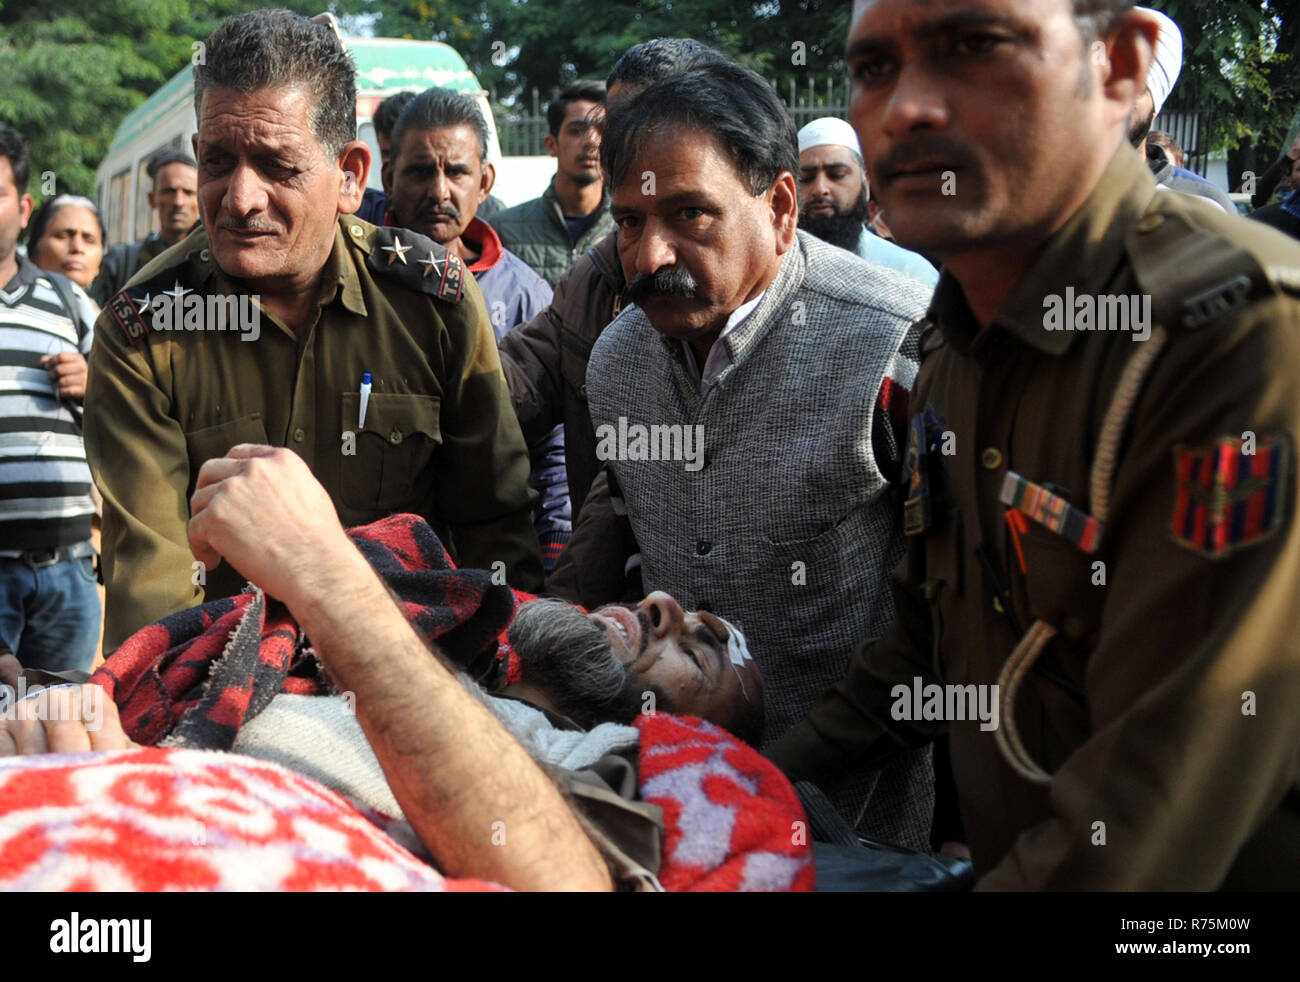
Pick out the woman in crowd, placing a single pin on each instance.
(66, 236)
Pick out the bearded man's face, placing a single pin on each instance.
(570, 657)
(618, 662)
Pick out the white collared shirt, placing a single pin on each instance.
(719, 355)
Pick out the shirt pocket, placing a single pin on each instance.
(215, 441)
(1061, 588)
(393, 448)
(1060, 585)
(808, 579)
(1064, 587)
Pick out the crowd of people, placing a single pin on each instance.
(766, 426)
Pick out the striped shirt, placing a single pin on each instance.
(44, 479)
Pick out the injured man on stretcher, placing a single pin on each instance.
(391, 720)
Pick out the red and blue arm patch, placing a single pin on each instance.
(1229, 494)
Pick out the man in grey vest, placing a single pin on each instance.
(748, 405)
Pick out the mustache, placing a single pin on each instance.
(667, 281)
(905, 154)
(447, 210)
(643, 622)
(249, 224)
(826, 200)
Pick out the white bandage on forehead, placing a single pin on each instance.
(737, 646)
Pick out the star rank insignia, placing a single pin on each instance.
(443, 273)
(432, 264)
(396, 251)
(177, 294)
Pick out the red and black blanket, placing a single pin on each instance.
(198, 674)
(732, 821)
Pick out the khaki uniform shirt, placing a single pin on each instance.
(440, 438)
(1166, 708)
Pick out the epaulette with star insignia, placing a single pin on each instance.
(133, 306)
(417, 262)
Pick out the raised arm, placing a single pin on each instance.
(479, 803)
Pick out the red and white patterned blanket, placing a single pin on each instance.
(173, 819)
(155, 819)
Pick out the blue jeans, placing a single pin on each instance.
(49, 615)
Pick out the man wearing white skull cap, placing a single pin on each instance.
(833, 192)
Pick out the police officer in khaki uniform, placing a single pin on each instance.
(1102, 502)
(285, 321)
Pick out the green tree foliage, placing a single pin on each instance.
(74, 68)
(514, 46)
(1241, 62)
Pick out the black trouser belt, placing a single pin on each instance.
(40, 558)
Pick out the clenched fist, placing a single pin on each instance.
(260, 509)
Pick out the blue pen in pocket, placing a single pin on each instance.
(365, 398)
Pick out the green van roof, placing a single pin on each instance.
(383, 65)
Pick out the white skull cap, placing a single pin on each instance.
(829, 130)
(1168, 61)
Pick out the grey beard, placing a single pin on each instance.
(569, 657)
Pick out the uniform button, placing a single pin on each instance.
(205, 255)
(997, 605)
(395, 437)
(991, 458)
(356, 230)
(703, 547)
(583, 390)
(299, 435)
(1074, 628)
(1150, 223)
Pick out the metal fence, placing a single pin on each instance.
(1190, 129)
(522, 129)
(812, 100)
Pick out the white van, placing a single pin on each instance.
(166, 121)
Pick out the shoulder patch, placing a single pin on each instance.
(417, 262)
(1229, 494)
